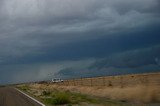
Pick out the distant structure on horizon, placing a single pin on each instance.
(57, 80)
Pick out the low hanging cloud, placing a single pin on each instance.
(39, 71)
(128, 62)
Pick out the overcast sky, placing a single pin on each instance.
(41, 37)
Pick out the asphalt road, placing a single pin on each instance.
(11, 97)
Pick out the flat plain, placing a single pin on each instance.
(135, 90)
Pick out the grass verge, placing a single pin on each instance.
(67, 98)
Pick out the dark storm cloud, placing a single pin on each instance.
(94, 48)
(130, 59)
(34, 31)
(31, 24)
(133, 61)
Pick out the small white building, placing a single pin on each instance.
(55, 80)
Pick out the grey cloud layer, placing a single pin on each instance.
(30, 25)
(30, 28)
(38, 71)
(134, 61)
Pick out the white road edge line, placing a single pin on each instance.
(30, 97)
